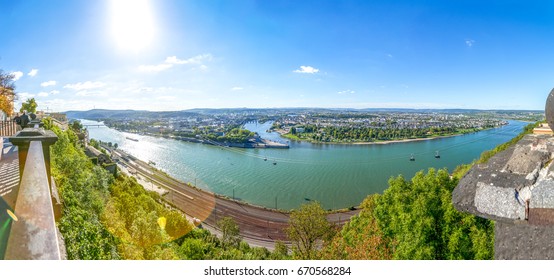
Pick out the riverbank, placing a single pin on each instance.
(286, 135)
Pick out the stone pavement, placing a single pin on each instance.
(9, 174)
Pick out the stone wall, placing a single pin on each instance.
(516, 189)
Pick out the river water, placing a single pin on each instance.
(338, 176)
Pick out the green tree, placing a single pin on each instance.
(83, 190)
(30, 106)
(76, 126)
(7, 92)
(360, 238)
(308, 225)
(280, 252)
(418, 218)
(230, 232)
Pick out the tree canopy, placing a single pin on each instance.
(7, 92)
(414, 219)
(30, 105)
(308, 225)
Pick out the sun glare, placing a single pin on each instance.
(132, 24)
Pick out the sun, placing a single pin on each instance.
(132, 24)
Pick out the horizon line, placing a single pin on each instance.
(319, 108)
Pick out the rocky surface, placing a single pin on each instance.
(523, 242)
(516, 189)
(500, 188)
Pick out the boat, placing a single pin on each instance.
(132, 139)
(412, 158)
(437, 155)
(265, 159)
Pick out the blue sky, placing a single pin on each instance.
(173, 55)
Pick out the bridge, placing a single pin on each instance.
(94, 125)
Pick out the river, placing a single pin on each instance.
(338, 176)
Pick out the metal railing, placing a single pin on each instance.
(33, 234)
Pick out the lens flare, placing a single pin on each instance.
(12, 215)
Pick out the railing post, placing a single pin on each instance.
(22, 140)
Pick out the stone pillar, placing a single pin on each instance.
(23, 139)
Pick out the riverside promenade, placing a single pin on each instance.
(259, 226)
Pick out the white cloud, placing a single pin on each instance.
(84, 86)
(23, 96)
(46, 94)
(306, 70)
(155, 68)
(173, 60)
(33, 72)
(17, 75)
(470, 43)
(193, 60)
(87, 93)
(389, 55)
(346, 92)
(64, 104)
(236, 88)
(49, 83)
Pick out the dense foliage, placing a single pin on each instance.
(307, 226)
(30, 105)
(235, 135)
(419, 218)
(84, 190)
(414, 219)
(7, 92)
(360, 238)
(342, 134)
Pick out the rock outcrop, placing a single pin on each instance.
(516, 189)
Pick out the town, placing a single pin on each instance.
(226, 126)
